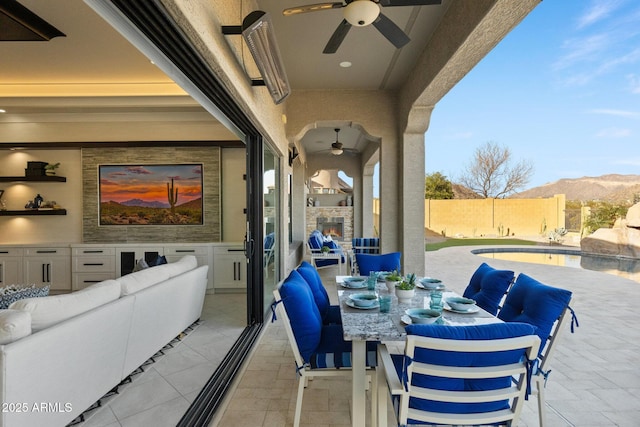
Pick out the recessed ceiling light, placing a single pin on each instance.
(345, 64)
(2, 111)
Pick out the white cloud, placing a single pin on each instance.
(614, 133)
(634, 83)
(619, 113)
(597, 11)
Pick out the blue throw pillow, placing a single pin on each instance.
(464, 359)
(532, 302)
(311, 276)
(487, 287)
(371, 262)
(315, 240)
(303, 313)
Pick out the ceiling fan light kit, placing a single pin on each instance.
(336, 147)
(361, 13)
(257, 31)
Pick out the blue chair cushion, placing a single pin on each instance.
(535, 303)
(487, 287)
(464, 359)
(366, 245)
(334, 352)
(315, 239)
(384, 262)
(311, 276)
(303, 313)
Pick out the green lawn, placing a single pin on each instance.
(476, 242)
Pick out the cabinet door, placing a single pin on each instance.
(10, 271)
(52, 271)
(229, 271)
(126, 258)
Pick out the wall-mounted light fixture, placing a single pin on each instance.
(257, 32)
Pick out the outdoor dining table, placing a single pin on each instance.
(362, 325)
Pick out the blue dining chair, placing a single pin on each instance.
(319, 350)
(546, 308)
(488, 286)
(382, 262)
(458, 375)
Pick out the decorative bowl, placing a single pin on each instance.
(429, 283)
(354, 280)
(422, 315)
(461, 303)
(363, 300)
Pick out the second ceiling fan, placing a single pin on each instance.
(362, 13)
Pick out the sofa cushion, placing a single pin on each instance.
(14, 293)
(47, 311)
(14, 324)
(139, 280)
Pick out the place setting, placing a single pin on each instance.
(430, 284)
(354, 282)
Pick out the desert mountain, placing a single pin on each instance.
(612, 188)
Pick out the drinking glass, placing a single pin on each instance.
(385, 302)
(435, 302)
(371, 281)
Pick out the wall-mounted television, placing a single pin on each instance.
(168, 194)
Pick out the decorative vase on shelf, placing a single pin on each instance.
(349, 201)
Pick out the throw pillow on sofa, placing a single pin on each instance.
(12, 293)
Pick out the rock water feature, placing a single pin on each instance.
(623, 240)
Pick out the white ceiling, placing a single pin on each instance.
(93, 54)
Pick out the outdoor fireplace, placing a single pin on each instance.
(333, 225)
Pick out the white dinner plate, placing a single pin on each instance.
(352, 305)
(475, 309)
(407, 320)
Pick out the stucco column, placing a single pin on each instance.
(367, 201)
(412, 173)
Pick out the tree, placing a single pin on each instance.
(437, 186)
(491, 174)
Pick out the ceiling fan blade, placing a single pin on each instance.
(338, 36)
(312, 8)
(391, 31)
(385, 3)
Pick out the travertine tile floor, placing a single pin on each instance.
(160, 396)
(595, 379)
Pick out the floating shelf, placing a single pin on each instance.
(46, 178)
(33, 212)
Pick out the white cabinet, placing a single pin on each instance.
(230, 267)
(128, 256)
(91, 265)
(48, 266)
(203, 254)
(10, 266)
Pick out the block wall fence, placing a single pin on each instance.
(491, 217)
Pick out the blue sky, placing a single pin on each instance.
(561, 90)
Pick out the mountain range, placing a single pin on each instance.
(613, 188)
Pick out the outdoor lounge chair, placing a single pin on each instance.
(320, 259)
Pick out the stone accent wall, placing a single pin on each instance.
(210, 231)
(331, 211)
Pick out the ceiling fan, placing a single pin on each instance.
(337, 148)
(362, 13)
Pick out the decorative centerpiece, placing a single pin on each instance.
(325, 250)
(405, 290)
(392, 280)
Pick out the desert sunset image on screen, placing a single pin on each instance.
(150, 194)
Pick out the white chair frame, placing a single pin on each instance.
(540, 375)
(317, 254)
(305, 372)
(516, 393)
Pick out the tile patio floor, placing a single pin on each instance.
(595, 379)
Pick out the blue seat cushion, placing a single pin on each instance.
(315, 239)
(535, 303)
(384, 262)
(329, 313)
(334, 352)
(487, 287)
(464, 359)
(305, 318)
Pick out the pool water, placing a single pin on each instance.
(623, 267)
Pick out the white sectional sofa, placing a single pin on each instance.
(60, 354)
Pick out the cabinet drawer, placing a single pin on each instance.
(93, 251)
(11, 252)
(185, 250)
(47, 251)
(82, 280)
(97, 263)
(231, 250)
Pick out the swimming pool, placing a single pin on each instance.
(623, 267)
